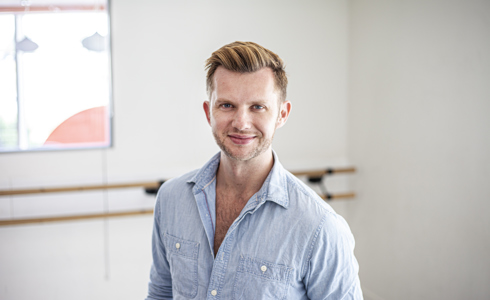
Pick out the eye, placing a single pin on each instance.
(226, 105)
(257, 107)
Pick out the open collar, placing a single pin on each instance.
(273, 189)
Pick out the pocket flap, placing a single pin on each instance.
(181, 246)
(266, 270)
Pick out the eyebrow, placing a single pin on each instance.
(252, 102)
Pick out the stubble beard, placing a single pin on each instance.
(263, 145)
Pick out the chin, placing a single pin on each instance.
(244, 155)
(236, 155)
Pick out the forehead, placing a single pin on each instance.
(229, 84)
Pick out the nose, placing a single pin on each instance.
(242, 120)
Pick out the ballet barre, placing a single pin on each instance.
(74, 217)
(146, 185)
(328, 171)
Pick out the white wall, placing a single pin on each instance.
(419, 131)
(159, 49)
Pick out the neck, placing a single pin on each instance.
(244, 176)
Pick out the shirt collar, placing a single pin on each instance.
(206, 174)
(274, 188)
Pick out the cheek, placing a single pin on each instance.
(219, 120)
(267, 125)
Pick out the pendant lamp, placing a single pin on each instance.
(26, 45)
(95, 42)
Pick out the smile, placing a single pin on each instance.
(241, 139)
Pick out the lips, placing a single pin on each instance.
(241, 139)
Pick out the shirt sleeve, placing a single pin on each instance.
(160, 285)
(332, 270)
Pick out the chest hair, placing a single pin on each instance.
(228, 208)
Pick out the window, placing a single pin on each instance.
(55, 75)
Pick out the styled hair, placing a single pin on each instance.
(247, 57)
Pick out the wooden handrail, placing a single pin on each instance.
(318, 173)
(74, 217)
(145, 185)
(338, 196)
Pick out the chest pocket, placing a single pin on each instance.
(258, 279)
(182, 257)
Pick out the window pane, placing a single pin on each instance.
(61, 78)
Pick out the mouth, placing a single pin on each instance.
(241, 139)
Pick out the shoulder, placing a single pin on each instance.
(178, 188)
(301, 196)
(307, 204)
(177, 183)
(197, 178)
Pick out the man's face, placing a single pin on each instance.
(244, 112)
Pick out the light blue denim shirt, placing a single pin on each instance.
(287, 243)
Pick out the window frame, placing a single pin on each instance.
(16, 11)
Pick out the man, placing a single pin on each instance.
(242, 227)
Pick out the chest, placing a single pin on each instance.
(228, 208)
(227, 211)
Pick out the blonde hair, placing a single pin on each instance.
(247, 57)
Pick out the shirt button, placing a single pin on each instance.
(263, 268)
(214, 292)
(177, 245)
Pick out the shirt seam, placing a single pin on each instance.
(209, 183)
(209, 211)
(312, 246)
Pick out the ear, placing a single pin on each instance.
(284, 110)
(207, 110)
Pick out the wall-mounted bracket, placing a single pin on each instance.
(153, 190)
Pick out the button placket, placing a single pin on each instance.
(221, 262)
